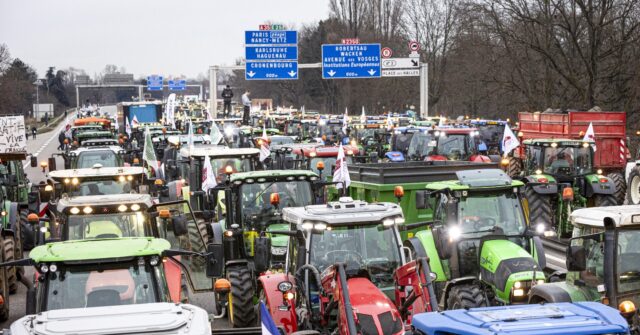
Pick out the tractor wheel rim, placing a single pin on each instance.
(635, 190)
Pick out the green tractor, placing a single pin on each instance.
(478, 243)
(559, 176)
(250, 205)
(602, 262)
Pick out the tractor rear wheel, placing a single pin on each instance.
(540, 210)
(466, 296)
(621, 186)
(515, 166)
(604, 200)
(8, 248)
(241, 312)
(633, 188)
(26, 230)
(202, 227)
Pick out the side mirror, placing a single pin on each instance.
(215, 260)
(52, 163)
(34, 161)
(576, 258)
(262, 256)
(422, 200)
(179, 225)
(441, 239)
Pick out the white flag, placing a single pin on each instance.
(190, 136)
(509, 140)
(171, 107)
(215, 135)
(344, 121)
(363, 117)
(389, 121)
(127, 126)
(208, 176)
(265, 150)
(341, 172)
(209, 116)
(134, 122)
(590, 136)
(302, 111)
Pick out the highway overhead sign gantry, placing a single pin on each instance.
(271, 55)
(177, 84)
(154, 83)
(341, 61)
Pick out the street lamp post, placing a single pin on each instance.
(37, 109)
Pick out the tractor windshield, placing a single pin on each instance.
(627, 261)
(102, 187)
(219, 166)
(256, 198)
(454, 147)
(481, 212)
(111, 225)
(371, 247)
(491, 133)
(422, 144)
(568, 161)
(106, 158)
(99, 285)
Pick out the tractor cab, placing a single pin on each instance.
(440, 144)
(330, 130)
(300, 129)
(602, 261)
(479, 242)
(372, 138)
(322, 159)
(564, 160)
(107, 272)
(96, 180)
(80, 137)
(88, 156)
(490, 132)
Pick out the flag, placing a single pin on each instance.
(214, 135)
(265, 150)
(363, 118)
(171, 107)
(509, 140)
(209, 116)
(134, 122)
(208, 176)
(341, 172)
(149, 155)
(344, 121)
(389, 121)
(266, 321)
(127, 126)
(190, 136)
(302, 111)
(590, 136)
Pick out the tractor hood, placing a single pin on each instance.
(156, 318)
(375, 313)
(503, 263)
(435, 158)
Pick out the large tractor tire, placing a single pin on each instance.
(540, 209)
(633, 187)
(27, 233)
(604, 200)
(4, 286)
(8, 248)
(515, 166)
(466, 296)
(241, 312)
(202, 227)
(621, 186)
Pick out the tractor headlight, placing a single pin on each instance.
(540, 281)
(517, 285)
(278, 251)
(307, 225)
(454, 233)
(135, 207)
(44, 268)
(599, 171)
(388, 222)
(74, 210)
(320, 226)
(53, 268)
(87, 210)
(540, 228)
(518, 292)
(285, 286)
(154, 261)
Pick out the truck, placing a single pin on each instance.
(611, 152)
(146, 112)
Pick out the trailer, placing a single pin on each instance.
(145, 112)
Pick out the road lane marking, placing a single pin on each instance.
(47, 142)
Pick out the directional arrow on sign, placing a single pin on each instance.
(331, 73)
(251, 74)
(371, 72)
(292, 73)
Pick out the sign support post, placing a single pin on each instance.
(424, 90)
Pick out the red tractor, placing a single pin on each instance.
(340, 276)
(448, 143)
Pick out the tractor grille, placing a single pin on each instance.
(508, 267)
(367, 324)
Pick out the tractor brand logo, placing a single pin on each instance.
(485, 261)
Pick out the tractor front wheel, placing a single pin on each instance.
(515, 166)
(540, 210)
(604, 200)
(633, 188)
(466, 296)
(241, 312)
(8, 248)
(621, 186)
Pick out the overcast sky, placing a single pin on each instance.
(145, 36)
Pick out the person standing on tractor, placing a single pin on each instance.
(61, 138)
(246, 103)
(227, 94)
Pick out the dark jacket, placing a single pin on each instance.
(227, 94)
(61, 137)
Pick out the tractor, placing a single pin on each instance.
(103, 152)
(490, 132)
(602, 262)
(439, 144)
(559, 176)
(478, 242)
(110, 272)
(248, 205)
(339, 277)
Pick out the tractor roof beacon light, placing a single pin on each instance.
(164, 213)
(33, 218)
(398, 192)
(222, 286)
(567, 193)
(627, 308)
(44, 165)
(274, 199)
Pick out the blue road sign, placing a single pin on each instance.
(341, 61)
(154, 83)
(271, 70)
(177, 85)
(271, 37)
(263, 53)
